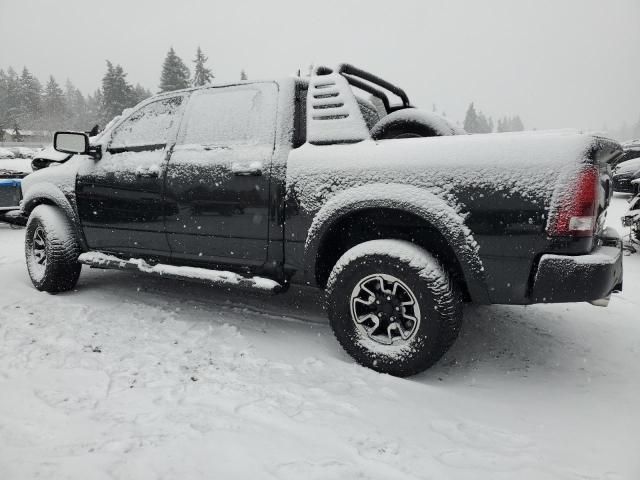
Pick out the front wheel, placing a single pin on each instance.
(393, 307)
(51, 250)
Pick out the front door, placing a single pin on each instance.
(120, 196)
(217, 184)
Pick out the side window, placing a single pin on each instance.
(227, 116)
(148, 126)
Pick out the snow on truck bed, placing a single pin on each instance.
(527, 164)
(132, 377)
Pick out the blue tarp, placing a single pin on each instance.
(9, 182)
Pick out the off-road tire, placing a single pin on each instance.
(437, 296)
(50, 231)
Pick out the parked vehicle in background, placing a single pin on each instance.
(22, 152)
(10, 196)
(631, 219)
(398, 215)
(6, 153)
(48, 157)
(627, 168)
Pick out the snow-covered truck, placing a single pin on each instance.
(321, 181)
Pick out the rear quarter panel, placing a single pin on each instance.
(501, 185)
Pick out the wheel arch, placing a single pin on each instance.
(394, 211)
(49, 194)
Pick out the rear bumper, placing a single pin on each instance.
(580, 278)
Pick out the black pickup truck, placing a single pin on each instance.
(399, 215)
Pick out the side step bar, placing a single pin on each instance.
(213, 277)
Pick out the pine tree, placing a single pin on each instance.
(201, 74)
(4, 98)
(76, 107)
(30, 98)
(175, 74)
(17, 136)
(510, 124)
(140, 93)
(12, 82)
(517, 125)
(94, 104)
(243, 75)
(117, 93)
(471, 120)
(483, 125)
(53, 105)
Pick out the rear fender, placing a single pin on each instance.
(415, 200)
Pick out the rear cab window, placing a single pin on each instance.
(230, 116)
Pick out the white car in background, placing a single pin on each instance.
(22, 152)
(5, 153)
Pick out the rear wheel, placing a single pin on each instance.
(51, 250)
(393, 307)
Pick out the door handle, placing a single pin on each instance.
(151, 172)
(254, 168)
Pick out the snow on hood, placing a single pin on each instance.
(50, 153)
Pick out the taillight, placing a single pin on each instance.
(577, 212)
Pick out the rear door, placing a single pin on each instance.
(120, 196)
(217, 184)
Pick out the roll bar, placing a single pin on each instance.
(362, 79)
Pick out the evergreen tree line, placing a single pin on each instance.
(476, 122)
(625, 132)
(27, 104)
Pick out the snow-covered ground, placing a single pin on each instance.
(131, 377)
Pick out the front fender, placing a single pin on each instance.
(415, 200)
(50, 194)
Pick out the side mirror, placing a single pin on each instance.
(71, 142)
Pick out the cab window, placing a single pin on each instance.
(148, 126)
(227, 116)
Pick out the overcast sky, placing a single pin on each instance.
(556, 63)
